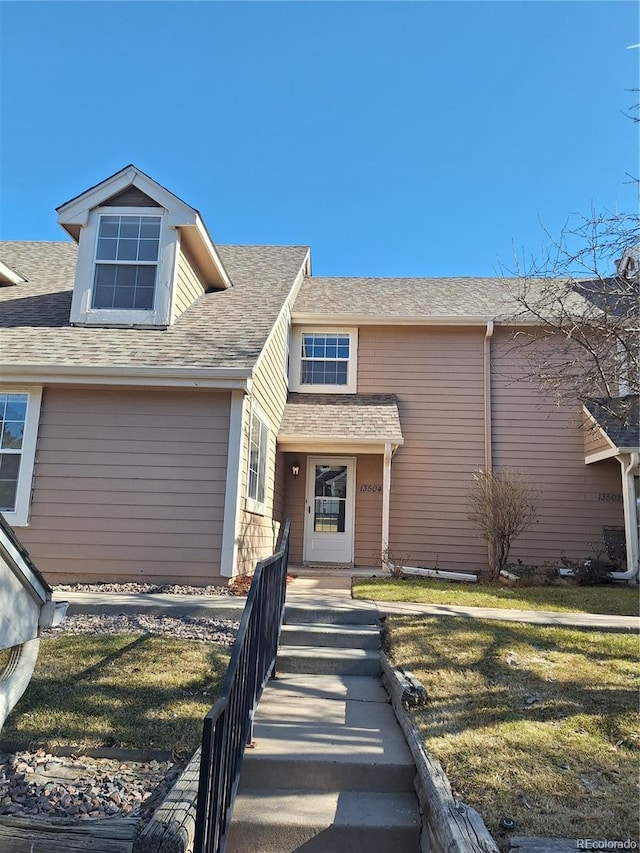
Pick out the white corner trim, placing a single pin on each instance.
(233, 493)
(20, 517)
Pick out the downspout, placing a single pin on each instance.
(386, 502)
(630, 518)
(488, 437)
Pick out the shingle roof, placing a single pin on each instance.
(619, 419)
(418, 298)
(366, 417)
(221, 329)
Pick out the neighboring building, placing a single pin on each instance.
(167, 402)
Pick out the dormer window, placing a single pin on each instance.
(126, 262)
(144, 255)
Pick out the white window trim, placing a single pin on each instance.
(20, 516)
(251, 504)
(81, 311)
(296, 360)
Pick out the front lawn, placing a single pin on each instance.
(620, 601)
(119, 690)
(531, 723)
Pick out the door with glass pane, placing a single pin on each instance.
(329, 509)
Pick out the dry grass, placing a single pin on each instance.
(621, 601)
(536, 724)
(123, 690)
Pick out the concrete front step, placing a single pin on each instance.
(343, 612)
(283, 821)
(335, 636)
(327, 757)
(337, 661)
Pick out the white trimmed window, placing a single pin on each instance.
(125, 268)
(326, 360)
(126, 262)
(258, 459)
(19, 414)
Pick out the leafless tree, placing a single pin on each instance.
(503, 506)
(583, 297)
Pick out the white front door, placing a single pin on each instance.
(329, 510)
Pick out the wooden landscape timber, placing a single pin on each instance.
(56, 835)
(172, 826)
(448, 825)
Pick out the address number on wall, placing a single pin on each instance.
(370, 487)
(609, 496)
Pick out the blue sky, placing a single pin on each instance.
(418, 138)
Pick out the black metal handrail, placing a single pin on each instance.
(228, 726)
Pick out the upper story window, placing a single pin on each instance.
(326, 360)
(126, 262)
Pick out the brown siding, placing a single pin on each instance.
(368, 532)
(129, 485)
(545, 442)
(131, 197)
(294, 496)
(188, 285)
(258, 533)
(437, 376)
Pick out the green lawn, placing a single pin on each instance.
(124, 690)
(621, 601)
(533, 723)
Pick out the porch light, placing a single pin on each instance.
(295, 468)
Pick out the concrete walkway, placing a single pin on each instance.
(334, 590)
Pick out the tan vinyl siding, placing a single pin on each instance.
(258, 533)
(437, 375)
(368, 532)
(546, 442)
(129, 485)
(188, 285)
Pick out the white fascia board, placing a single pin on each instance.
(76, 211)
(211, 251)
(9, 275)
(173, 377)
(292, 444)
(300, 318)
(297, 284)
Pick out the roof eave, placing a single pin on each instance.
(230, 378)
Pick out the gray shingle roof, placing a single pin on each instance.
(366, 417)
(619, 419)
(418, 298)
(221, 329)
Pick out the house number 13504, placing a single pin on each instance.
(370, 487)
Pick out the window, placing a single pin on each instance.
(19, 412)
(326, 360)
(258, 455)
(126, 262)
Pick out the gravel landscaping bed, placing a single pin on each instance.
(36, 783)
(149, 588)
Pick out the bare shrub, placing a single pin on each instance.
(502, 506)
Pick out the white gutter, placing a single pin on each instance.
(386, 500)
(83, 374)
(630, 518)
(488, 460)
(312, 319)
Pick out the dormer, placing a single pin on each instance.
(144, 255)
